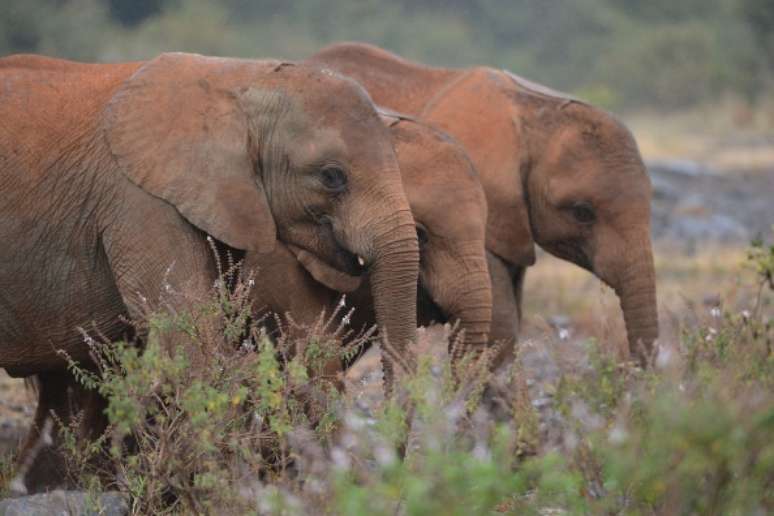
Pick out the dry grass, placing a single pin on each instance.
(727, 136)
(683, 283)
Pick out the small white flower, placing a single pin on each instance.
(715, 312)
(617, 435)
(384, 455)
(340, 459)
(17, 486)
(354, 421)
(349, 440)
(314, 485)
(571, 441)
(564, 334)
(481, 452)
(664, 357)
(745, 314)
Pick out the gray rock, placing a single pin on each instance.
(713, 228)
(679, 167)
(66, 503)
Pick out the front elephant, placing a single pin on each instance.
(113, 174)
(555, 171)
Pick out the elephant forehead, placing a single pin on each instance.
(323, 134)
(314, 140)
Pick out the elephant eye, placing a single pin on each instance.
(583, 213)
(421, 235)
(333, 178)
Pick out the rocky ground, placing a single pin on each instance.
(16, 410)
(694, 204)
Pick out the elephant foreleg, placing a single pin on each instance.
(40, 464)
(506, 308)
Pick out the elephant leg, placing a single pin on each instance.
(508, 386)
(518, 274)
(155, 264)
(40, 464)
(506, 309)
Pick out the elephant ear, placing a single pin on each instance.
(475, 109)
(177, 129)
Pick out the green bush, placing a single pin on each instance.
(213, 416)
(206, 407)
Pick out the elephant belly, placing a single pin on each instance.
(45, 301)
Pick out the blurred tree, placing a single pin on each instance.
(132, 12)
(19, 30)
(668, 10)
(621, 53)
(759, 14)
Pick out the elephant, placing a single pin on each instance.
(556, 172)
(115, 176)
(449, 210)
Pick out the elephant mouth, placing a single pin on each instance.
(570, 250)
(346, 276)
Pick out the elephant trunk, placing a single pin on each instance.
(393, 274)
(637, 294)
(473, 307)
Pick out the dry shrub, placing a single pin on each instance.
(214, 416)
(204, 409)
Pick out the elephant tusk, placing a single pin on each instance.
(361, 261)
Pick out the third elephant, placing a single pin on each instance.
(556, 171)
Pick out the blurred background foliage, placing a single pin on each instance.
(622, 54)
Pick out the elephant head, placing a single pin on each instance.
(251, 151)
(450, 211)
(561, 174)
(589, 203)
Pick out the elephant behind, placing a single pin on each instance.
(449, 210)
(113, 175)
(556, 171)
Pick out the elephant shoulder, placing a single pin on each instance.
(391, 80)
